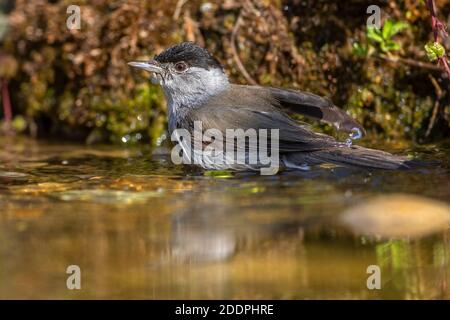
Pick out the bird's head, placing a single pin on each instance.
(188, 73)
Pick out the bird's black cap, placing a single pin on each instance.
(191, 53)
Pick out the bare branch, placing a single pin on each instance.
(238, 61)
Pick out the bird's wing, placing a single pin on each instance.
(293, 137)
(311, 106)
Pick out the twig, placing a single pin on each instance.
(434, 114)
(189, 26)
(178, 7)
(411, 62)
(238, 61)
(438, 27)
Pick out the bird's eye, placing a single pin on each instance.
(181, 67)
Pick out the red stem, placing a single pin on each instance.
(445, 65)
(432, 8)
(7, 110)
(437, 26)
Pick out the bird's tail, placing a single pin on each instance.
(354, 156)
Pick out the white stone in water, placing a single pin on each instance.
(397, 216)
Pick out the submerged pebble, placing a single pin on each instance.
(12, 174)
(12, 177)
(106, 196)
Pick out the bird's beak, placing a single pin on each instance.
(150, 66)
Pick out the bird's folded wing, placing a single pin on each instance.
(315, 107)
(292, 136)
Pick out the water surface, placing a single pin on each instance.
(141, 228)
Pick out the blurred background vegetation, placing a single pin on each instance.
(75, 84)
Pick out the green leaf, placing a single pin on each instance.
(391, 28)
(389, 46)
(359, 50)
(434, 51)
(374, 34)
(387, 27)
(398, 26)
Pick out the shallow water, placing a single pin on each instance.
(139, 227)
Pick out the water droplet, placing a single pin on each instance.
(160, 140)
(354, 135)
(349, 142)
(126, 138)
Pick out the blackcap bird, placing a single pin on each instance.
(198, 90)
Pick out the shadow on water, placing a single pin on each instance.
(139, 227)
